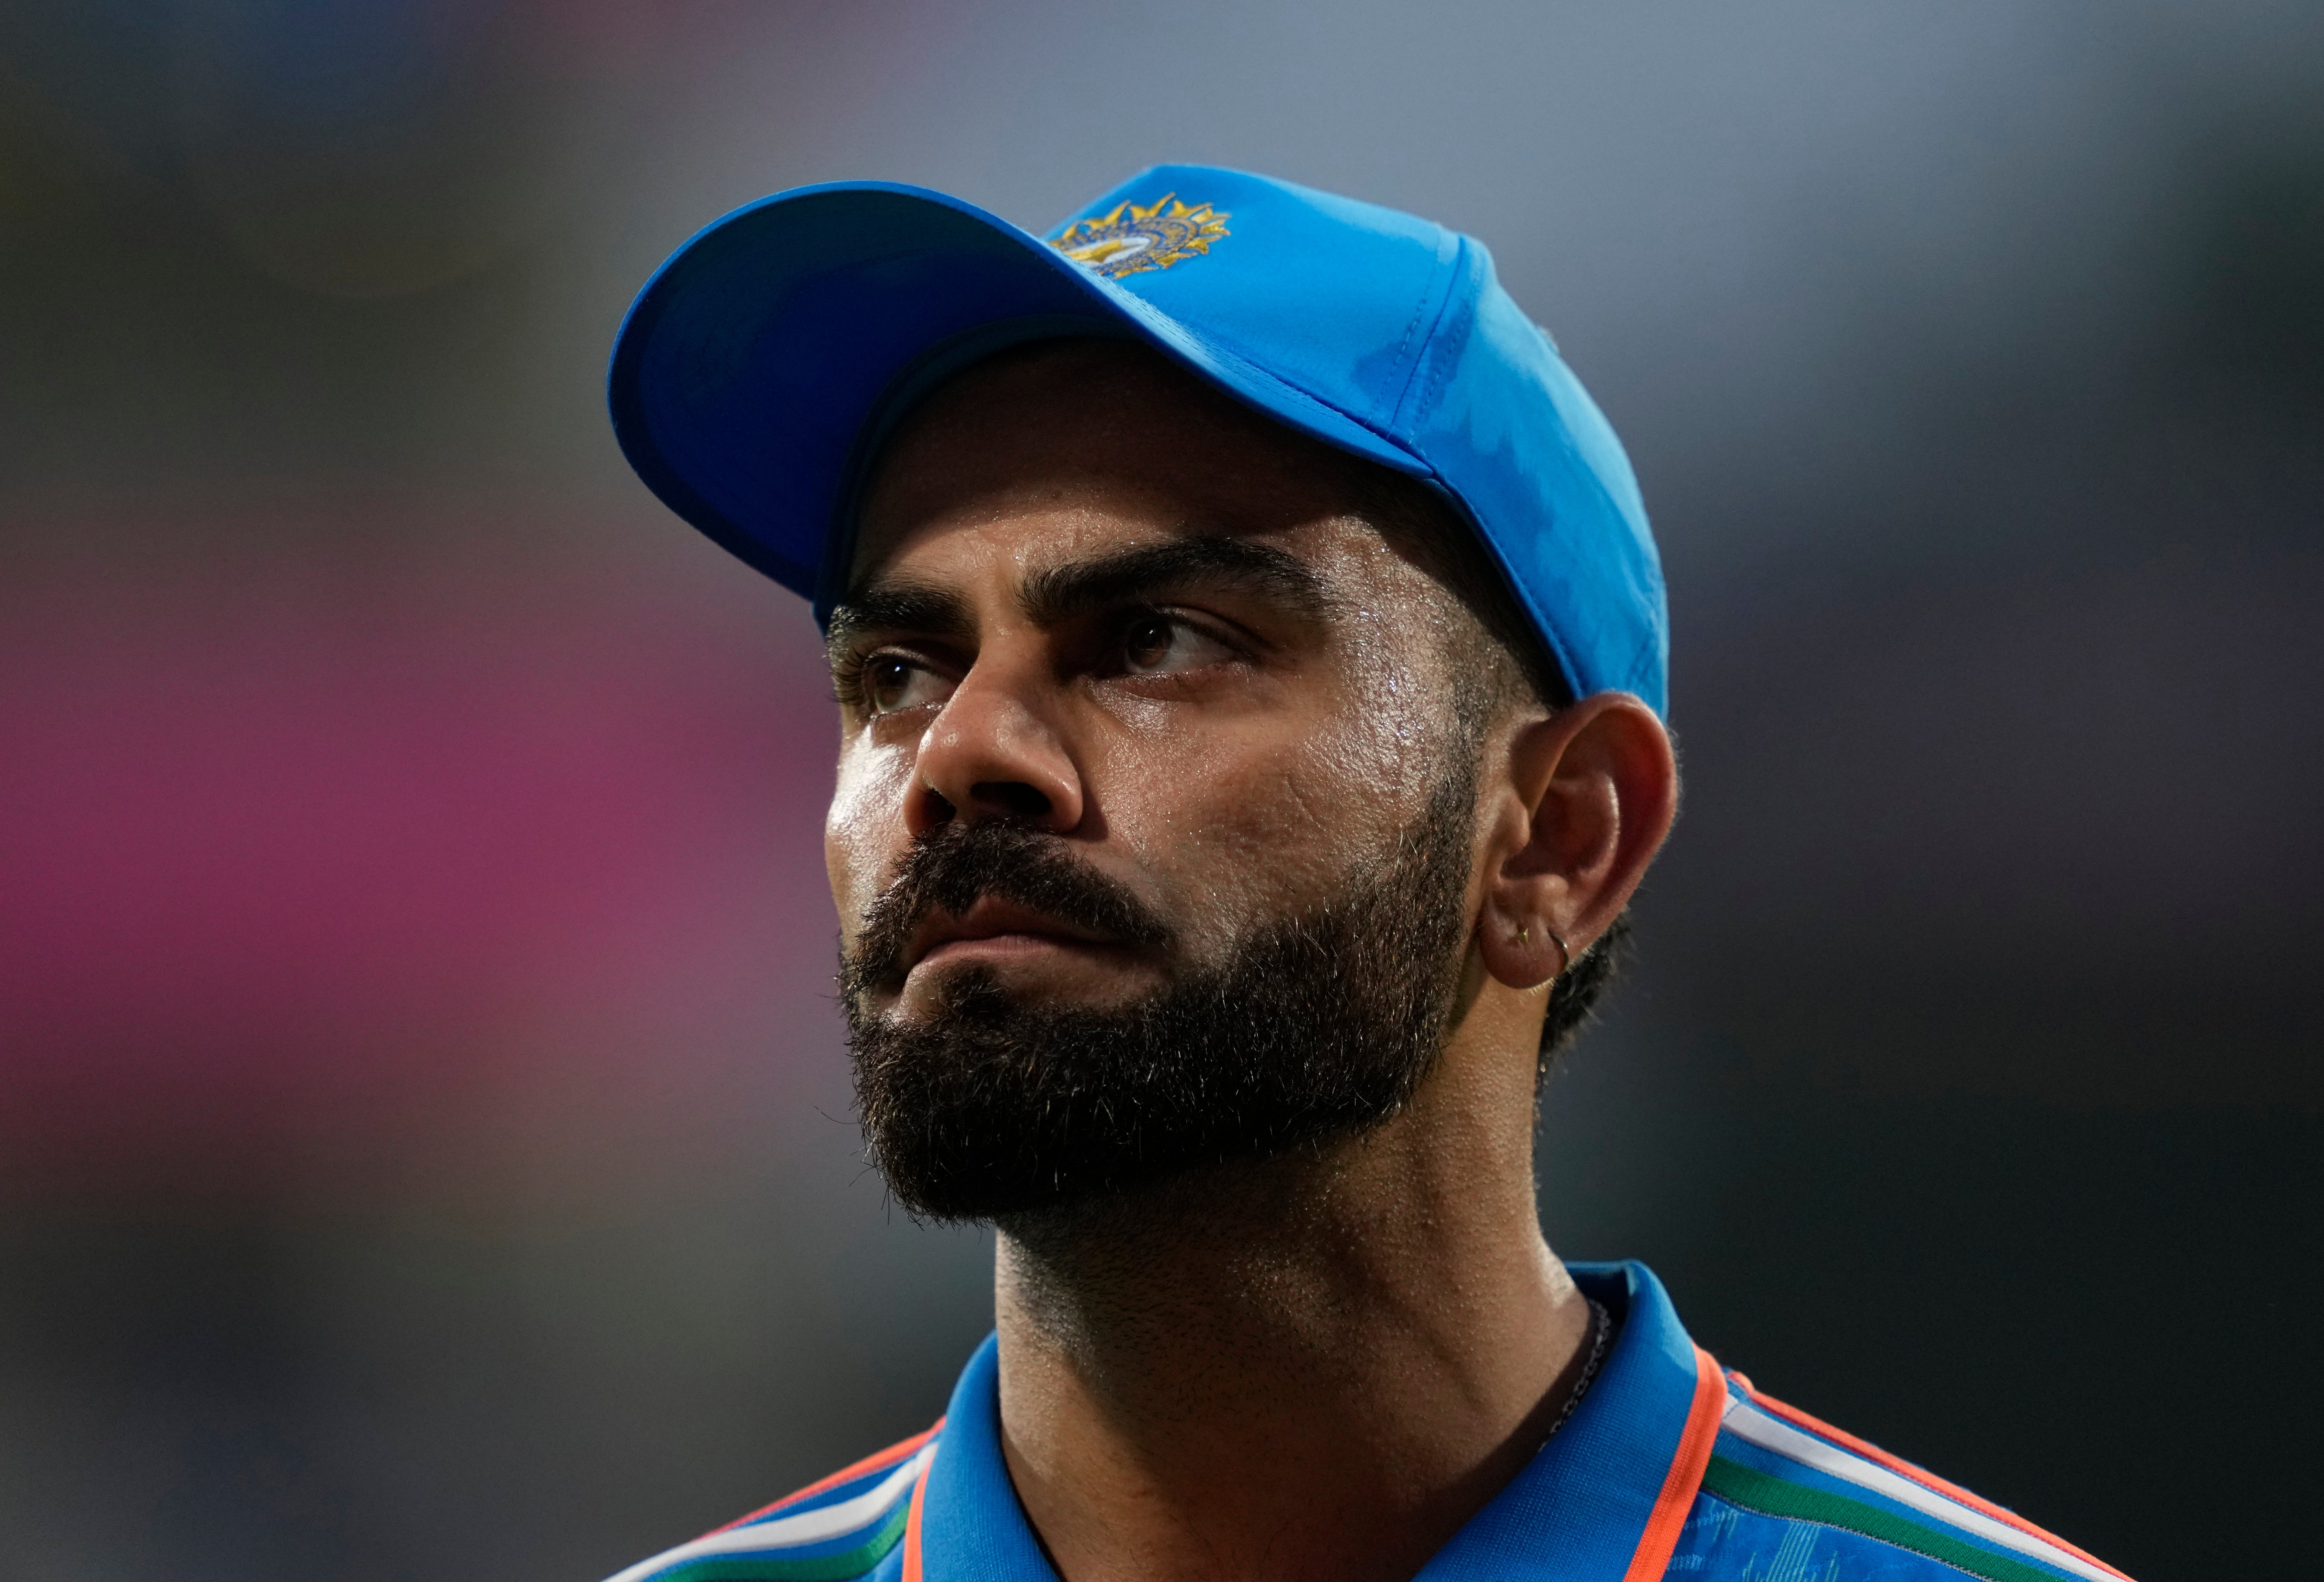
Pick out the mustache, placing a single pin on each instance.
(953, 866)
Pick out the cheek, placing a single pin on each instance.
(863, 833)
(1269, 816)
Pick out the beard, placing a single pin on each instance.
(1316, 1026)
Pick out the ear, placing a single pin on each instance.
(1590, 793)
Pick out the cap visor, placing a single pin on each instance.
(758, 365)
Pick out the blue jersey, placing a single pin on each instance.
(1667, 1466)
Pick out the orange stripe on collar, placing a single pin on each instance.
(912, 1523)
(1652, 1556)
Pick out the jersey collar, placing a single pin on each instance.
(1603, 1500)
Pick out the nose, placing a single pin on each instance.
(995, 752)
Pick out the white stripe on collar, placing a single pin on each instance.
(781, 1533)
(1749, 1423)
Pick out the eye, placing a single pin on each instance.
(1155, 645)
(892, 683)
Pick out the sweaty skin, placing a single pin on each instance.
(1091, 592)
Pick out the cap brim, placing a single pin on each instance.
(761, 363)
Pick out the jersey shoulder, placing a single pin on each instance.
(840, 1527)
(1788, 1495)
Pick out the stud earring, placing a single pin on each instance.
(1523, 936)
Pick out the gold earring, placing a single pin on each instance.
(1523, 936)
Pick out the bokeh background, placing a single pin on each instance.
(424, 1136)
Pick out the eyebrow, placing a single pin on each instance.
(1055, 594)
(899, 605)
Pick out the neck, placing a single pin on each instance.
(1317, 1365)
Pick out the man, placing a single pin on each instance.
(1250, 655)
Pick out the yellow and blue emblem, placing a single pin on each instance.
(1132, 238)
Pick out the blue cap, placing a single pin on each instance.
(761, 366)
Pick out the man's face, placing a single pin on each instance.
(1153, 815)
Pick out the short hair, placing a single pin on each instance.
(1502, 665)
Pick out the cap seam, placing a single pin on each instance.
(1228, 354)
(1437, 290)
(1442, 358)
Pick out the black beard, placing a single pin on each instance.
(1318, 1026)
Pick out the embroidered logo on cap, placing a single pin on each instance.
(1131, 238)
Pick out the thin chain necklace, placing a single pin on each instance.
(1601, 1329)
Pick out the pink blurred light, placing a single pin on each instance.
(315, 850)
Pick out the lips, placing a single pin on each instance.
(993, 918)
(1006, 881)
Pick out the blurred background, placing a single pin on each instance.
(425, 1142)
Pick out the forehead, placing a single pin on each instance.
(1070, 441)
